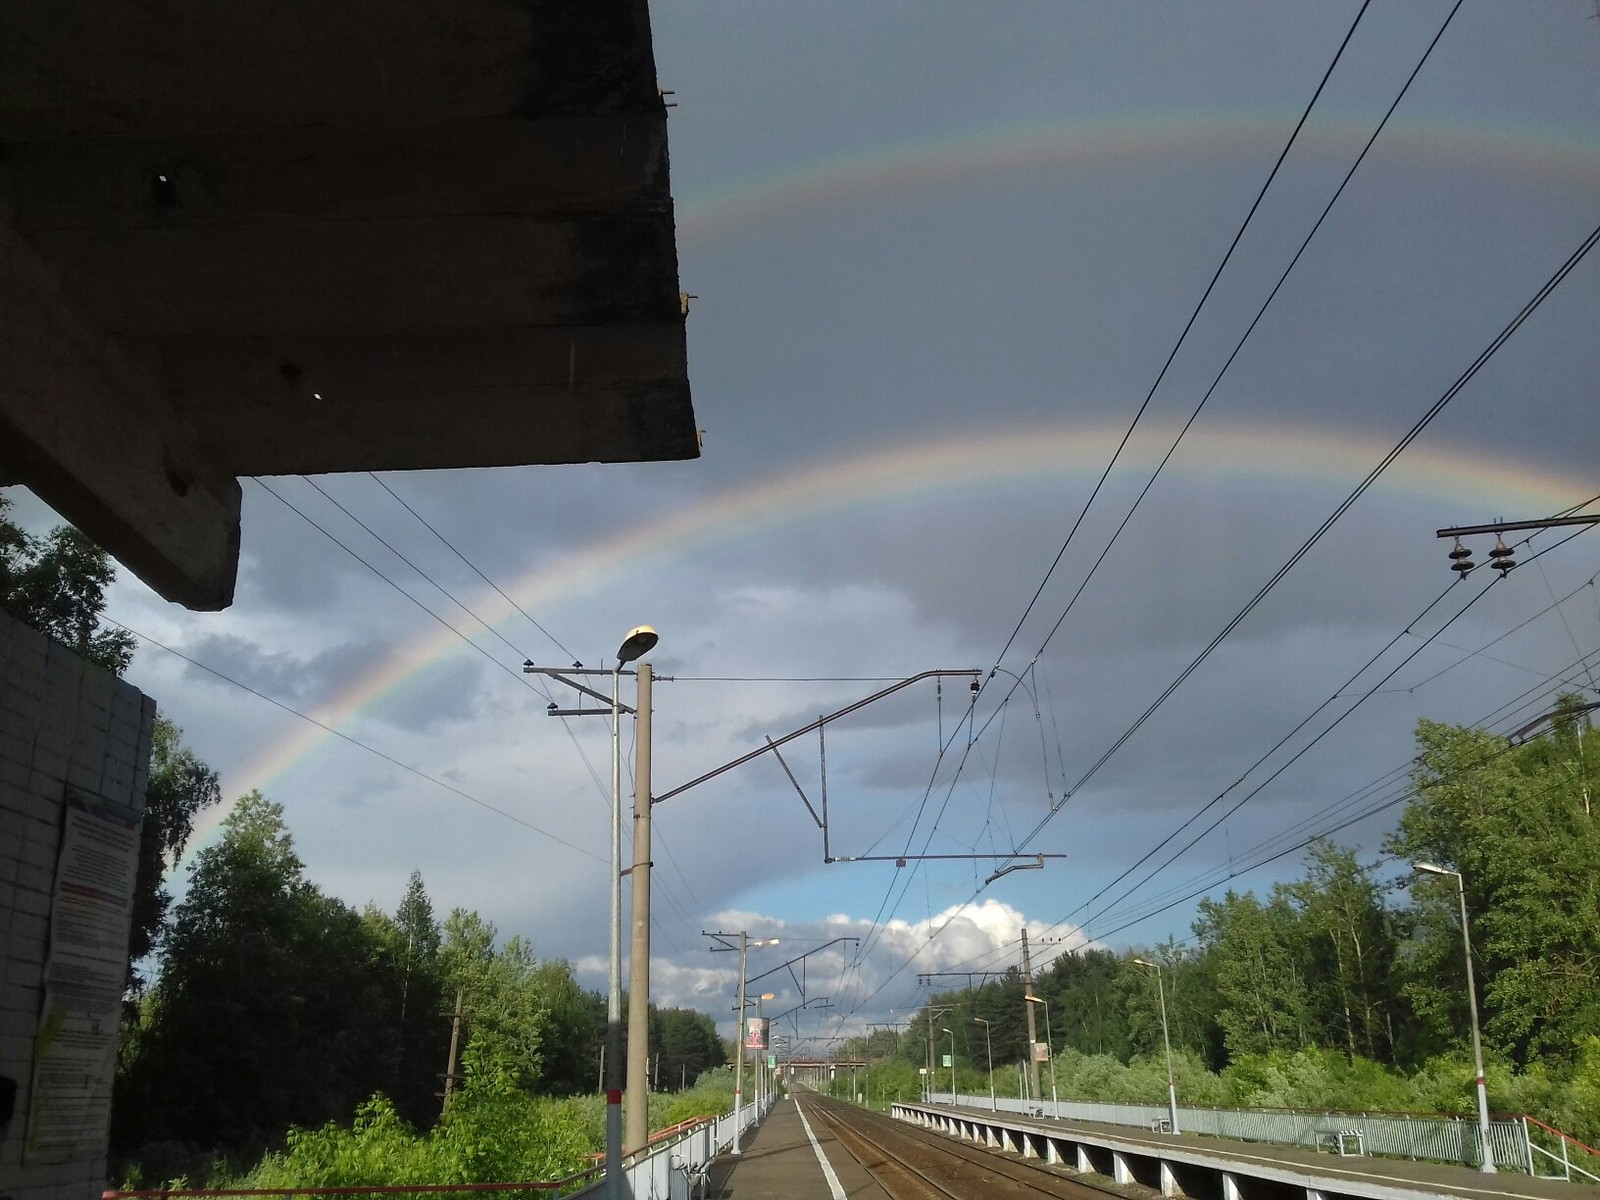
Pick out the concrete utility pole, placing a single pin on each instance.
(455, 1045)
(1486, 1162)
(1033, 1036)
(637, 1134)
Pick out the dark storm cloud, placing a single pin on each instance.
(282, 675)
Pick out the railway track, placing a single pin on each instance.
(912, 1163)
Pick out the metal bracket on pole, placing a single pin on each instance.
(564, 674)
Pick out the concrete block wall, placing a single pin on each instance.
(64, 724)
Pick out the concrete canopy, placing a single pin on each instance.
(263, 238)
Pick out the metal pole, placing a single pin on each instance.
(638, 1114)
(738, 1078)
(1033, 1036)
(952, 1034)
(615, 1183)
(989, 1046)
(1050, 1052)
(1172, 1088)
(1487, 1165)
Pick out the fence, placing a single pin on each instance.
(676, 1168)
(1433, 1139)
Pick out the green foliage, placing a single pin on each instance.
(1518, 824)
(494, 1133)
(179, 787)
(57, 584)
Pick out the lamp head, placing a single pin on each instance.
(1033, 999)
(639, 642)
(1429, 869)
(1143, 962)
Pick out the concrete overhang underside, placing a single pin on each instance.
(303, 236)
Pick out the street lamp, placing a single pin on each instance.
(639, 641)
(989, 1046)
(1487, 1164)
(738, 1080)
(1172, 1088)
(952, 1034)
(1048, 1050)
(761, 1064)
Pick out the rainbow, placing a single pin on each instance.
(1288, 454)
(1571, 156)
(984, 459)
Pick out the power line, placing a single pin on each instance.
(451, 547)
(1182, 337)
(1344, 505)
(1250, 329)
(354, 741)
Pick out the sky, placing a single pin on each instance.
(941, 253)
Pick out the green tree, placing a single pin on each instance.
(57, 585)
(262, 1016)
(1257, 954)
(1517, 822)
(179, 787)
(1351, 946)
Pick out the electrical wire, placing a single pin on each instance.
(1183, 336)
(354, 741)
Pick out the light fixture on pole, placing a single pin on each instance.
(743, 947)
(639, 641)
(761, 1063)
(952, 1034)
(988, 1044)
(1486, 1164)
(1049, 1051)
(1172, 1088)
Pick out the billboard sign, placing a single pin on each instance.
(755, 1036)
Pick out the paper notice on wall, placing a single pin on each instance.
(75, 1049)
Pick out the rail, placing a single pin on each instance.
(1428, 1139)
(1564, 1144)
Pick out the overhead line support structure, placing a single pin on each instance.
(772, 745)
(639, 641)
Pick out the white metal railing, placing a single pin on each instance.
(1434, 1139)
(676, 1170)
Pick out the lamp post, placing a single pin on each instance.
(639, 641)
(988, 1045)
(738, 1080)
(1172, 1088)
(1487, 1163)
(1049, 1052)
(761, 1062)
(952, 1034)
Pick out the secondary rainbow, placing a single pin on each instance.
(1569, 157)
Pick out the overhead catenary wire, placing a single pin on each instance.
(601, 788)
(958, 909)
(1245, 336)
(1161, 375)
(1194, 316)
(352, 740)
(1344, 506)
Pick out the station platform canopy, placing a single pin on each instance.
(293, 237)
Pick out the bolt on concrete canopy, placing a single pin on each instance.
(263, 238)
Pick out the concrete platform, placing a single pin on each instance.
(1322, 1174)
(784, 1160)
